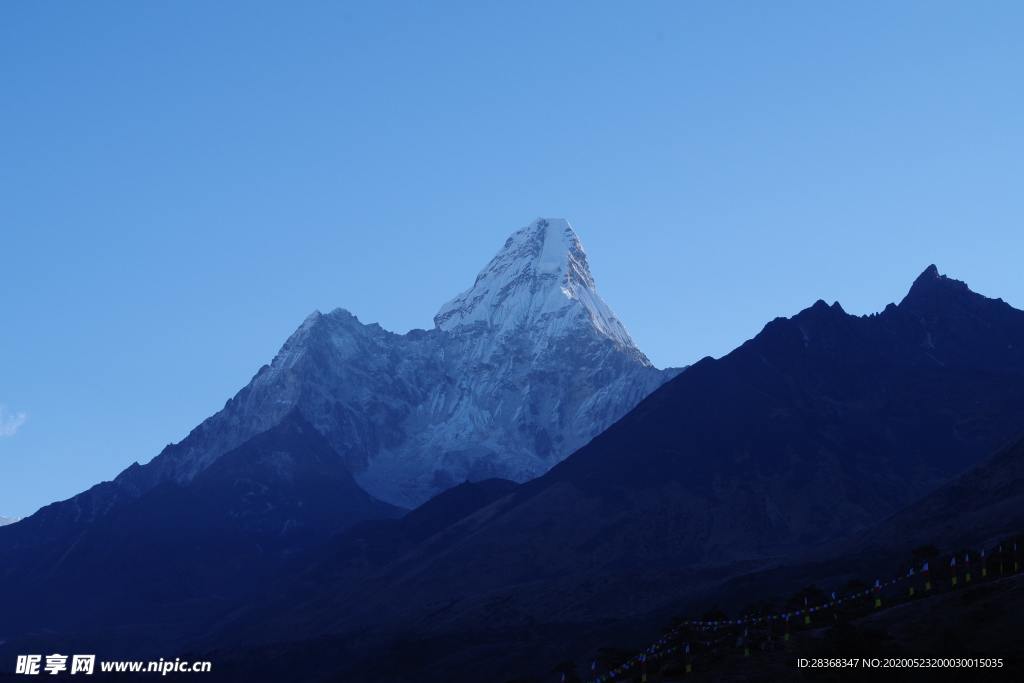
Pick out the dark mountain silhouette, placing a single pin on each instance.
(181, 553)
(817, 429)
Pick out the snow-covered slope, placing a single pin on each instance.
(540, 280)
(4, 521)
(520, 370)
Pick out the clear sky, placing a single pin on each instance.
(182, 183)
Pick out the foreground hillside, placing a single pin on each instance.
(981, 622)
(950, 586)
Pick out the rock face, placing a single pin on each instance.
(520, 370)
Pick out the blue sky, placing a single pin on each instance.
(182, 183)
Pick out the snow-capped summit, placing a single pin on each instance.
(539, 279)
(519, 371)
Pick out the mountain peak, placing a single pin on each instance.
(539, 278)
(930, 273)
(545, 246)
(930, 285)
